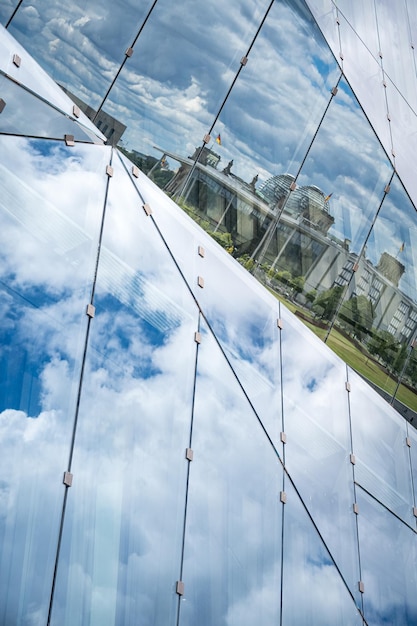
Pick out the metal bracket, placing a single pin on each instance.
(279, 323)
(189, 454)
(147, 209)
(180, 588)
(69, 140)
(17, 60)
(283, 497)
(347, 385)
(76, 111)
(67, 479)
(109, 171)
(283, 437)
(135, 171)
(2, 105)
(91, 310)
(200, 282)
(201, 251)
(197, 337)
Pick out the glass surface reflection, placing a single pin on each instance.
(318, 440)
(16, 63)
(363, 70)
(385, 293)
(272, 112)
(379, 445)
(412, 439)
(121, 548)
(242, 315)
(87, 41)
(44, 120)
(389, 565)
(48, 247)
(314, 593)
(398, 59)
(232, 552)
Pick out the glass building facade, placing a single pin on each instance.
(178, 443)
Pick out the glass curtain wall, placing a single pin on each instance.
(176, 445)
(278, 127)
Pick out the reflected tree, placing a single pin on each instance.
(357, 315)
(326, 302)
(388, 350)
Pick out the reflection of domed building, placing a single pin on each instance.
(275, 189)
(308, 202)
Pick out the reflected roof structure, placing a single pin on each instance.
(178, 442)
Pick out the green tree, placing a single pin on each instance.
(311, 295)
(325, 304)
(384, 346)
(297, 283)
(284, 277)
(357, 314)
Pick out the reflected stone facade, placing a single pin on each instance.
(177, 446)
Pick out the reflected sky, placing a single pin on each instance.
(168, 94)
(47, 248)
(389, 565)
(376, 41)
(356, 184)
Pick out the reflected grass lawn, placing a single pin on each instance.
(360, 362)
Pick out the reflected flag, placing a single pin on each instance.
(327, 198)
(402, 246)
(219, 139)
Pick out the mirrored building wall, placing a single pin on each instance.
(286, 128)
(177, 446)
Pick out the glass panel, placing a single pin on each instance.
(122, 537)
(48, 242)
(241, 313)
(318, 440)
(356, 185)
(80, 44)
(412, 435)
(404, 131)
(378, 320)
(6, 9)
(363, 70)
(360, 19)
(29, 74)
(190, 72)
(265, 129)
(389, 565)
(43, 120)
(310, 256)
(379, 445)
(314, 593)
(232, 553)
(325, 14)
(397, 54)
